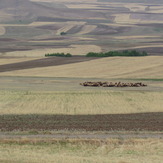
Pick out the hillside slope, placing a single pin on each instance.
(116, 67)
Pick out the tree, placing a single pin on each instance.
(63, 33)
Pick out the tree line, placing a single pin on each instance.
(127, 53)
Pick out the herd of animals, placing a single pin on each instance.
(111, 84)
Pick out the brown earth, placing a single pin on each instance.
(108, 122)
(50, 61)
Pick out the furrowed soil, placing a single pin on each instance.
(110, 122)
(45, 62)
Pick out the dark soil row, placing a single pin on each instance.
(51, 61)
(127, 122)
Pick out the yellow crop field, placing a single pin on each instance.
(79, 102)
(111, 67)
(4, 61)
(109, 151)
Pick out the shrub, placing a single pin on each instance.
(58, 55)
(63, 33)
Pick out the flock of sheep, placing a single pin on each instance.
(111, 84)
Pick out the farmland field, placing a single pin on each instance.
(46, 115)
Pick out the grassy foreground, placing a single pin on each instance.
(78, 151)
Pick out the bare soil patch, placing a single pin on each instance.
(108, 122)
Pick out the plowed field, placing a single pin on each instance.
(51, 61)
(115, 122)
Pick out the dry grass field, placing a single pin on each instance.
(81, 102)
(94, 151)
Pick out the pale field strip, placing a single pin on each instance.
(119, 24)
(97, 5)
(30, 25)
(74, 39)
(2, 30)
(135, 7)
(73, 49)
(81, 6)
(79, 102)
(155, 9)
(87, 29)
(111, 67)
(125, 18)
(42, 23)
(76, 151)
(4, 61)
(69, 1)
(135, 37)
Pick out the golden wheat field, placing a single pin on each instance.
(108, 151)
(80, 102)
(112, 67)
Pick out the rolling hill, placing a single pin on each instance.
(107, 24)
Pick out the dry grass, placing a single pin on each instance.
(4, 61)
(80, 102)
(73, 49)
(109, 151)
(113, 67)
